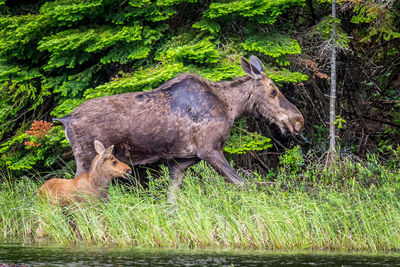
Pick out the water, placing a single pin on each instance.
(60, 256)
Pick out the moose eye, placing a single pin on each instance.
(272, 93)
(114, 163)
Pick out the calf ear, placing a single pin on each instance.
(256, 62)
(250, 70)
(108, 152)
(99, 147)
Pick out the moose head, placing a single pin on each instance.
(269, 101)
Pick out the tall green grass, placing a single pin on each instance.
(353, 206)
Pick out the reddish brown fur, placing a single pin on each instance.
(94, 184)
(185, 120)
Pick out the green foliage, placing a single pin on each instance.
(292, 161)
(381, 20)
(66, 107)
(199, 52)
(339, 122)
(284, 75)
(222, 71)
(265, 11)
(324, 28)
(207, 25)
(18, 35)
(20, 93)
(392, 152)
(173, 2)
(44, 153)
(74, 47)
(242, 141)
(320, 132)
(69, 12)
(141, 80)
(275, 45)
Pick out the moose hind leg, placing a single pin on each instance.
(83, 158)
(177, 168)
(218, 161)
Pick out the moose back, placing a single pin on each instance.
(185, 120)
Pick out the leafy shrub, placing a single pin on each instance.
(242, 141)
(292, 161)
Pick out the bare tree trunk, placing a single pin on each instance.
(332, 113)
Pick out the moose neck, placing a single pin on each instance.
(97, 178)
(237, 94)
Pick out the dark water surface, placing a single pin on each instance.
(29, 255)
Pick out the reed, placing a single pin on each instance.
(309, 209)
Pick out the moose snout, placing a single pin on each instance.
(298, 123)
(297, 127)
(127, 171)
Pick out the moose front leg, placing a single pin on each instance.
(177, 168)
(218, 161)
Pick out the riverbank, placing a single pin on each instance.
(18, 255)
(354, 207)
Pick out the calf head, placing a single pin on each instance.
(269, 101)
(107, 163)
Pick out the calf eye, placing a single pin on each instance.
(272, 93)
(114, 163)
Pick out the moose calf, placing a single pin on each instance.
(95, 183)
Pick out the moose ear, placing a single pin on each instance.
(256, 62)
(246, 66)
(107, 152)
(256, 72)
(250, 70)
(99, 147)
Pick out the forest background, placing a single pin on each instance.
(54, 55)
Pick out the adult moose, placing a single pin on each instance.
(185, 120)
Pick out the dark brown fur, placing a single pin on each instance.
(185, 120)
